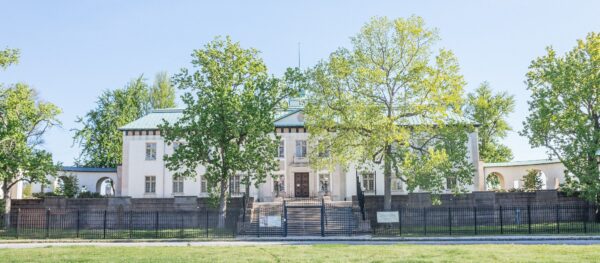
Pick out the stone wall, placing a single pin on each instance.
(178, 203)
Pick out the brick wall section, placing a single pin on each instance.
(183, 203)
(485, 200)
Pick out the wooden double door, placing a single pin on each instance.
(301, 183)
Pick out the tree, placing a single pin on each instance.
(490, 112)
(68, 186)
(23, 121)
(387, 101)
(8, 57)
(532, 181)
(227, 124)
(564, 110)
(162, 93)
(100, 140)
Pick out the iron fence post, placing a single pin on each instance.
(529, 219)
(285, 217)
(130, 224)
(501, 221)
(104, 227)
(258, 221)
(400, 221)
(48, 223)
(181, 224)
(156, 225)
(557, 221)
(206, 228)
(322, 218)
(78, 222)
(450, 220)
(475, 218)
(18, 221)
(585, 219)
(424, 221)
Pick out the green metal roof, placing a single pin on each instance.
(153, 119)
(282, 119)
(522, 163)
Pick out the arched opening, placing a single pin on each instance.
(105, 186)
(494, 181)
(544, 179)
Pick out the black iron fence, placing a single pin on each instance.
(62, 223)
(505, 220)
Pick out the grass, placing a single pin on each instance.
(315, 253)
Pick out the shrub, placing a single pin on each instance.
(90, 195)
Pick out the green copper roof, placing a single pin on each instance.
(284, 118)
(153, 119)
(522, 163)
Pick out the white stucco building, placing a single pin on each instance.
(143, 172)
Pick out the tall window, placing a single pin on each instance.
(300, 148)
(281, 149)
(234, 186)
(150, 184)
(203, 185)
(369, 182)
(324, 183)
(151, 151)
(178, 185)
(450, 183)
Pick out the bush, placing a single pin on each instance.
(44, 195)
(90, 195)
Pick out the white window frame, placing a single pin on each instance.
(281, 149)
(150, 184)
(203, 185)
(178, 185)
(235, 185)
(150, 147)
(368, 182)
(301, 151)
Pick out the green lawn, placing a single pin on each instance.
(316, 253)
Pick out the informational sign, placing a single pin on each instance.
(270, 221)
(388, 217)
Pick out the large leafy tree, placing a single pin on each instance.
(388, 100)
(227, 124)
(490, 111)
(23, 121)
(564, 110)
(100, 140)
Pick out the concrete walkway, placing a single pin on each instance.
(524, 240)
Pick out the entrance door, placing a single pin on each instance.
(301, 184)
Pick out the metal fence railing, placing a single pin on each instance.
(65, 223)
(503, 220)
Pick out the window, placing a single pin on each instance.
(281, 150)
(150, 184)
(324, 183)
(397, 184)
(151, 151)
(450, 183)
(178, 185)
(203, 185)
(369, 182)
(300, 148)
(234, 185)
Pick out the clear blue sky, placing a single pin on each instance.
(73, 50)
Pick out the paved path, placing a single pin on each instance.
(528, 240)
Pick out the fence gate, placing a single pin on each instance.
(304, 217)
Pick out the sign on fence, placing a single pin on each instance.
(388, 217)
(270, 221)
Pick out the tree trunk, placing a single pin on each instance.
(222, 203)
(7, 203)
(387, 179)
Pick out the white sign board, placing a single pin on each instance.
(270, 221)
(388, 217)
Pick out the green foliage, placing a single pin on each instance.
(8, 57)
(162, 93)
(27, 191)
(90, 195)
(362, 101)
(532, 181)
(490, 112)
(23, 121)
(492, 182)
(564, 110)
(227, 124)
(42, 195)
(100, 140)
(69, 186)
